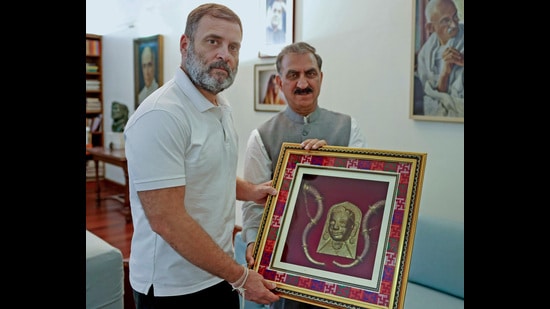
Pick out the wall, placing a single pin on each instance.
(366, 48)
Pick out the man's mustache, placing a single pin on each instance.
(220, 65)
(303, 91)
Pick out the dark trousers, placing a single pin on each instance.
(220, 295)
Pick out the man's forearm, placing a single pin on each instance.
(243, 187)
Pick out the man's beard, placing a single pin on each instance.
(199, 73)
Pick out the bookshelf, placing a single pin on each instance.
(94, 96)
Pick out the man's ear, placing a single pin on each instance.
(279, 81)
(184, 42)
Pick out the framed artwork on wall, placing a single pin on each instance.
(268, 97)
(278, 20)
(148, 66)
(340, 231)
(436, 67)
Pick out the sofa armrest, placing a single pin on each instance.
(438, 255)
(104, 274)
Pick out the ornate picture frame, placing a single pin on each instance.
(153, 45)
(267, 95)
(302, 245)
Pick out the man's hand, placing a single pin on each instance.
(262, 191)
(249, 254)
(247, 191)
(453, 56)
(313, 143)
(257, 289)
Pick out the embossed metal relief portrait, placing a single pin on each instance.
(330, 225)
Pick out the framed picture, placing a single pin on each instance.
(340, 232)
(268, 97)
(427, 102)
(148, 66)
(278, 18)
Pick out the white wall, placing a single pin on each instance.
(366, 48)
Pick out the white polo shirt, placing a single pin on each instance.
(177, 137)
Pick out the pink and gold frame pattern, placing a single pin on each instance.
(383, 187)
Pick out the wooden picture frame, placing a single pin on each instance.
(311, 262)
(426, 103)
(153, 45)
(267, 95)
(274, 13)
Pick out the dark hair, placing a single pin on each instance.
(213, 9)
(297, 48)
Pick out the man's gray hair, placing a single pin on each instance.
(297, 48)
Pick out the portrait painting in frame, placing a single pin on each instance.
(148, 66)
(268, 97)
(340, 231)
(277, 17)
(437, 89)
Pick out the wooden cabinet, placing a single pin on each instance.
(94, 91)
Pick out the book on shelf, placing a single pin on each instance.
(88, 137)
(93, 84)
(92, 47)
(93, 105)
(92, 68)
(93, 109)
(96, 123)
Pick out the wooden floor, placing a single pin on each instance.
(108, 221)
